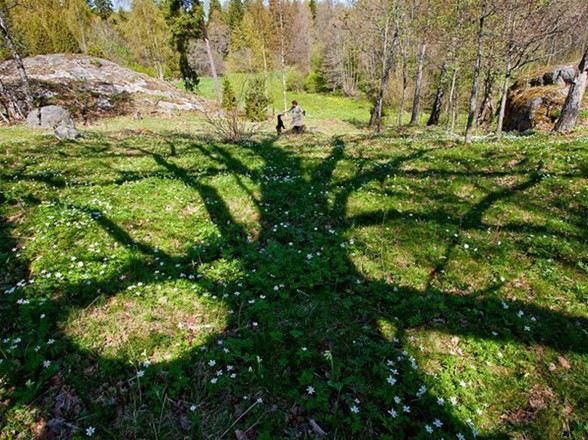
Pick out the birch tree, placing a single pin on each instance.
(380, 20)
(146, 33)
(571, 109)
(9, 42)
(485, 10)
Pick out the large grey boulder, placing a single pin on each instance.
(66, 133)
(93, 88)
(561, 76)
(51, 116)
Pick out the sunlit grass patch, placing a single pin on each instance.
(155, 323)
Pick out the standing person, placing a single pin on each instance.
(297, 113)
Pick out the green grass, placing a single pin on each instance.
(328, 113)
(185, 288)
(318, 106)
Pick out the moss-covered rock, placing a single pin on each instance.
(535, 100)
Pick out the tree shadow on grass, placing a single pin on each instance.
(354, 328)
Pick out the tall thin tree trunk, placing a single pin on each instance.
(507, 73)
(414, 117)
(473, 103)
(503, 96)
(487, 110)
(19, 64)
(219, 95)
(283, 58)
(437, 103)
(404, 86)
(266, 75)
(571, 109)
(452, 105)
(388, 64)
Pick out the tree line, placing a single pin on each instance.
(448, 57)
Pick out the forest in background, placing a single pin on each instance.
(443, 57)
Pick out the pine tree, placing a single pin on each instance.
(215, 9)
(186, 21)
(256, 101)
(229, 99)
(235, 13)
(312, 7)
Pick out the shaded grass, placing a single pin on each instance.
(163, 263)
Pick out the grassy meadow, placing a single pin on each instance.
(158, 284)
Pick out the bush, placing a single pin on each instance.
(229, 99)
(315, 83)
(256, 100)
(295, 81)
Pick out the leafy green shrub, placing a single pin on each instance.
(315, 83)
(256, 100)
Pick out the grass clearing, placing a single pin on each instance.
(158, 284)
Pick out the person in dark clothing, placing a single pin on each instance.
(280, 125)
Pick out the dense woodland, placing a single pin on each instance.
(410, 56)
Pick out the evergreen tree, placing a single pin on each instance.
(186, 21)
(235, 13)
(312, 7)
(256, 101)
(229, 99)
(215, 9)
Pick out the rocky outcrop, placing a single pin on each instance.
(560, 76)
(54, 117)
(534, 101)
(51, 116)
(91, 87)
(534, 107)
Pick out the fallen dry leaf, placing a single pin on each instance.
(564, 362)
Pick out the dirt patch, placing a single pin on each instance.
(121, 324)
(539, 398)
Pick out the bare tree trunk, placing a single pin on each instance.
(571, 109)
(19, 64)
(452, 105)
(160, 71)
(473, 106)
(414, 118)
(283, 58)
(503, 96)
(266, 76)
(436, 110)
(487, 109)
(404, 85)
(388, 64)
(219, 95)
